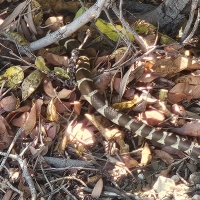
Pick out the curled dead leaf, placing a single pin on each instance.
(146, 155)
(52, 114)
(187, 89)
(30, 120)
(49, 89)
(164, 156)
(191, 128)
(97, 190)
(152, 117)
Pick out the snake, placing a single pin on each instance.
(90, 93)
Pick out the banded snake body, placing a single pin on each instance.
(91, 94)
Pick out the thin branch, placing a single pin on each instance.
(191, 17)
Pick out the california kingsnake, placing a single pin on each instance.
(88, 90)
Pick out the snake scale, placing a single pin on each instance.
(91, 94)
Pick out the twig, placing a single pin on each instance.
(139, 41)
(191, 17)
(25, 173)
(194, 28)
(6, 181)
(68, 29)
(10, 148)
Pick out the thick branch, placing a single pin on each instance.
(65, 31)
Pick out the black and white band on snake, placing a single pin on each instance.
(88, 90)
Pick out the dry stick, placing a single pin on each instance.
(139, 41)
(189, 23)
(65, 31)
(12, 187)
(10, 148)
(194, 28)
(71, 195)
(25, 172)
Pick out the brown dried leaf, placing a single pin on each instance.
(9, 192)
(49, 89)
(187, 89)
(64, 93)
(13, 15)
(62, 107)
(19, 121)
(146, 155)
(9, 103)
(52, 115)
(164, 156)
(30, 120)
(191, 128)
(171, 66)
(54, 23)
(97, 190)
(57, 60)
(51, 129)
(190, 79)
(177, 97)
(24, 189)
(129, 161)
(4, 137)
(152, 117)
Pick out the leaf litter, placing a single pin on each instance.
(53, 144)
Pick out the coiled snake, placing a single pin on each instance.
(88, 90)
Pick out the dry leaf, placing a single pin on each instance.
(164, 156)
(57, 60)
(152, 117)
(9, 103)
(49, 89)
(190, 128)
(97, 190)
(54, 23)
(30, 120)
(178, 97)
(13, 15)
(8, 194)
(171, 66)
(146, 155)
(129, 161)
(29, 20)
(52, 114)
(187, 89)
(19, 121)
(24, 189)
(190, 79)
(64, 94)
(62, 107)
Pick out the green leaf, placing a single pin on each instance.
(109, 30)
(61, 72)
(80, 12)
(30, 84)
(40, 64)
